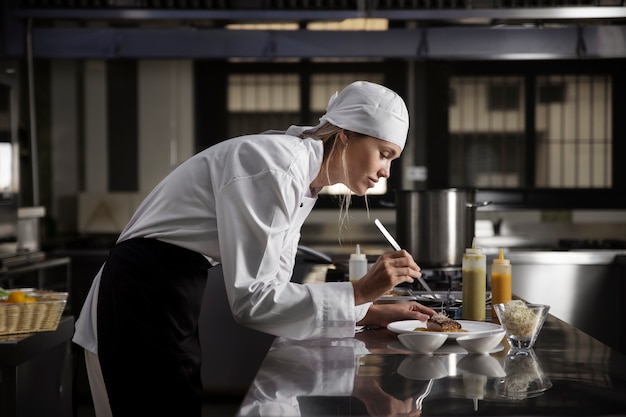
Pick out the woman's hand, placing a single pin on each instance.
(389, 270)
(382, 314)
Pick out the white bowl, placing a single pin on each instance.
(481, 365)
(423, 342)
(422, 367)
(482, 343)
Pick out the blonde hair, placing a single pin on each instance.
(328, 133)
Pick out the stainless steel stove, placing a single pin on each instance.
(441, 279)
(10, 260)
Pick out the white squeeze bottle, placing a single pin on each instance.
(358, 264)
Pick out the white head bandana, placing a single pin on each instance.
(369, 109)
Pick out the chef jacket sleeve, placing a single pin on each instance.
(258, 247)
(315, 371)
(360, 311)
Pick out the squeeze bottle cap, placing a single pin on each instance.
(358, 255)
(474, 250)
(500, 260)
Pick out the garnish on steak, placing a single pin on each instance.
(440, 322)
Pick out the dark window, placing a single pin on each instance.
(503, 97)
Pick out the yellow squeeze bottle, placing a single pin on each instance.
(474, 283)
(501, 283)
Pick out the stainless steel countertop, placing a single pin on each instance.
(370, 373)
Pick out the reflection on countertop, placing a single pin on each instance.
(568, 373)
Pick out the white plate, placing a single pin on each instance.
(471, 327)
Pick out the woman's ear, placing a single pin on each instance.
(343, 136)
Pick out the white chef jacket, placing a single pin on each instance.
(242, 203)
(328, 371)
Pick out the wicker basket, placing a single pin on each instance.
(39, 316)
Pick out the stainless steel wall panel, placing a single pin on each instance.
(583, 288)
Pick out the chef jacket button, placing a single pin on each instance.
(301, 204)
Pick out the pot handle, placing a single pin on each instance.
(477, 205)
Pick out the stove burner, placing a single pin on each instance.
(441, 279)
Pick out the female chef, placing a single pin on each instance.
(240, 203)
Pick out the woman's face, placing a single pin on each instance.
(367, 159)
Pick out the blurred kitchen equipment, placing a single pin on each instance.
(28, 236)
(315, 254)
(436, 226)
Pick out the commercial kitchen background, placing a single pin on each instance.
(522, 101)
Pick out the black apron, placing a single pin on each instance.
(148, 310)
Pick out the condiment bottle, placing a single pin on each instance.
(358, 264)
(501, 278)
(474, 283)
(475, 385)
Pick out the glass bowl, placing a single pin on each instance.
(521, 321)
(524, 376)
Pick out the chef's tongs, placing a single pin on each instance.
(396, 246)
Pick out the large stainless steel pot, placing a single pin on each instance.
(436, 226)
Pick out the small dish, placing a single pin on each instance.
(447, 348)
(423, 342)
(485, 365)
(422, 368)
(481, 343)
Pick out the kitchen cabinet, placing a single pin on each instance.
(36, 373)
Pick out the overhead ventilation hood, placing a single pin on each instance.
(306, 10)
(423, 29)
